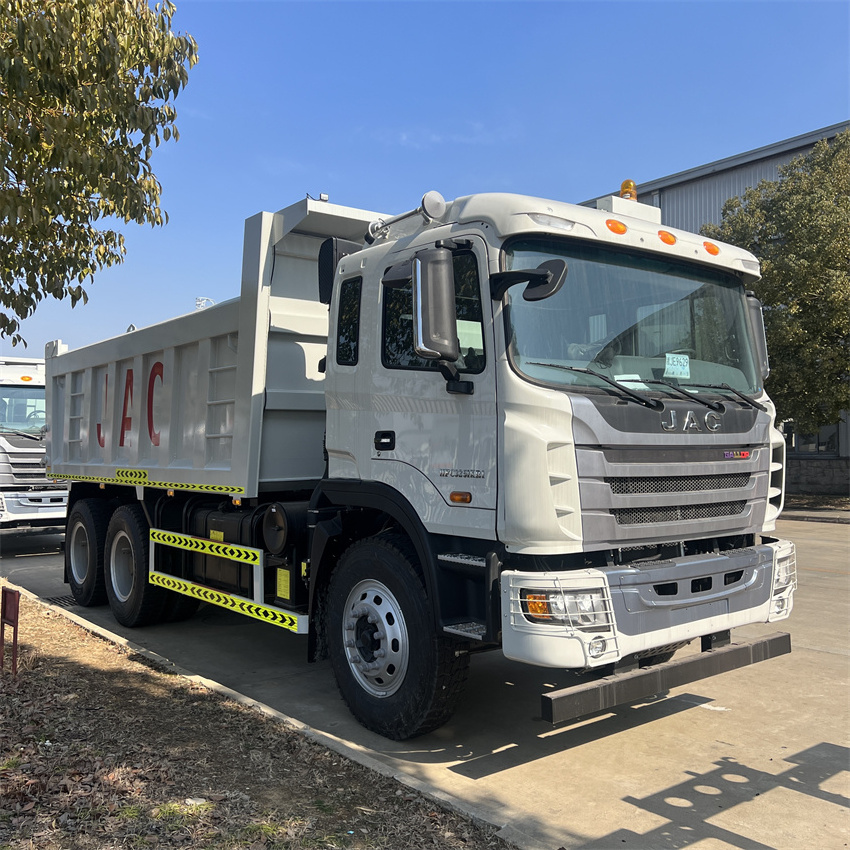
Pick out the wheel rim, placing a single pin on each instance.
(375, 638)
(122, 566)
(78, 553)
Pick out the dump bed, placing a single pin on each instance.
(223, 400)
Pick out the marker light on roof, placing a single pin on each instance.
(711, 248)
(666, 237)
(616, 226)
(552, 221)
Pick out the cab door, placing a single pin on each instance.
(434, 436)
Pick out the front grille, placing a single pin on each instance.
(678, 484)
(27, 469)
(677, 513)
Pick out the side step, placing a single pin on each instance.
(473, 631)
(603, 694)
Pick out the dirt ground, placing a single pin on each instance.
(100, 749)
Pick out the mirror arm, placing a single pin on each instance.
(500, 282)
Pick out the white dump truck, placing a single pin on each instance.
(29, 500)
(496, 423)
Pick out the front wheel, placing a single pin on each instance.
(398, 677)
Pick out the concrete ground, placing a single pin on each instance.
(757, 758)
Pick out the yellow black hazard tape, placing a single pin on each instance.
(285, 619)
(202, 546)
(140, 477)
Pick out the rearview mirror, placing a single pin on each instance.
(331, 251)
(431, 273)
(543, 282)
(756, 316)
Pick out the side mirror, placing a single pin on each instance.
(543, 282)
(431, 273)
(754, 309)
(331, 252)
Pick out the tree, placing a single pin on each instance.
(86, 92)
(799, 228)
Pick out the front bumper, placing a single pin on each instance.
(33, 509)
(603, 694)
(643, 608)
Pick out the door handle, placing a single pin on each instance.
(384, 441)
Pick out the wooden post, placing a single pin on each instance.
(9, 609)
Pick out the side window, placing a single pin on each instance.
(348, 323)
(398, 350)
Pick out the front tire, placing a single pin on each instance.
(85, 536)
(134, 601)
(398, 677)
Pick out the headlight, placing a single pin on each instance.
(785, 573)
(585, 610)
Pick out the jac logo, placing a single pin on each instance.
(711, 422)
(126, 426)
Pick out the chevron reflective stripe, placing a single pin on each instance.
(140, 477)
(289, 620)
(231, 551)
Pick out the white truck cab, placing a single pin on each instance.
(28, 499)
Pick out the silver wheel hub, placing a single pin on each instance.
(78, 551)
(375, 638)
(122, 566)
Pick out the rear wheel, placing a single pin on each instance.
(398, 677)
(134, 601)
(85, 535)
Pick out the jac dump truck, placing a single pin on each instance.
(499, 422)
(29, 501)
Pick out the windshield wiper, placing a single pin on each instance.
(20, 433)
(712, 405)
(651, 403)
(750, 401)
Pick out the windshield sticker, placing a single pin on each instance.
(634, 381)
(678, 366)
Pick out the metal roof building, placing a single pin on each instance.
(695, 197)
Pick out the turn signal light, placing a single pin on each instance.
(460, 498)
(616, 226)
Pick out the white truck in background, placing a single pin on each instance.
(500, 422)
(29, 500)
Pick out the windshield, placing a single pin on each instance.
(635, 319)
(21, 409)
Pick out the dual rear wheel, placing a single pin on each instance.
(106, 559)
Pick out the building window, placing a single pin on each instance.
(823, 443)
(348, 324)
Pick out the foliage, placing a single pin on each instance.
(86, 91)
(799, 227)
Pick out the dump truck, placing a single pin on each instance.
(497, 423)
(29, 500)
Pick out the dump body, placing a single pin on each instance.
(225, 400)
(28, 498)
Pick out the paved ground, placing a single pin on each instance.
(757, 758)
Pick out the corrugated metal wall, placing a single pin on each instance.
(692, 204)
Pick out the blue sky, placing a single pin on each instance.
(375, 103)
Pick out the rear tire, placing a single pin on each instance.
(134, 601)
(85, 536)
(398, 677)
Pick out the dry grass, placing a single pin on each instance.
(98, 750)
